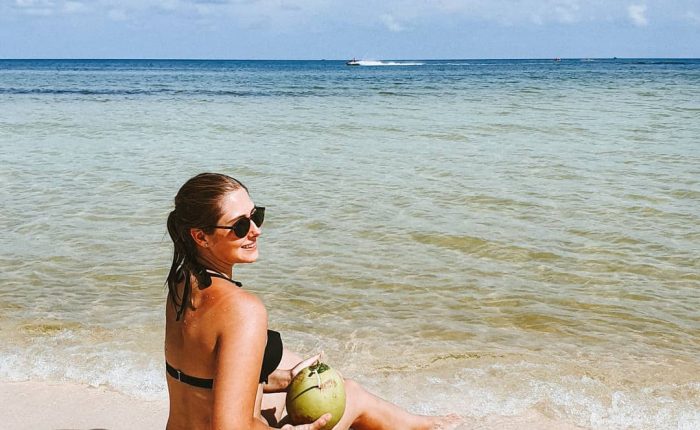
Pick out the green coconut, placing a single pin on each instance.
(316, 390)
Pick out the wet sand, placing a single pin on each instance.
(37, 405)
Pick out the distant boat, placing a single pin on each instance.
(352, 62)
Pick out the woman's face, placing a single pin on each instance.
(224, 246)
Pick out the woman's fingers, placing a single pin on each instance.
(319, 423)
(316, 425)
(306, 363)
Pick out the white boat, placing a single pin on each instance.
(352, 62)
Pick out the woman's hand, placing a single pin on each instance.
(279, 380)
(316, 425)
(306, 363)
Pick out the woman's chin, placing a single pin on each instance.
(248, 257)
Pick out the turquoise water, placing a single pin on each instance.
(484, 237)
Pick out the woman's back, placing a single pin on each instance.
(190, 347)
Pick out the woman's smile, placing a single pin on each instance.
(250, 246)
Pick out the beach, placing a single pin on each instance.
(30, 405)
(514, 241)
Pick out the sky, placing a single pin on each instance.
(342, 29)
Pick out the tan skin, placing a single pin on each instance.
(222, 335)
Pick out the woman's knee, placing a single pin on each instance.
(351, 385)
(354, 391)
(357, 404)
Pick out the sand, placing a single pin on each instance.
(530, 420)
(37, 405)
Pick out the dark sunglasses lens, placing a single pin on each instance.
(258, 216)
(241, 227)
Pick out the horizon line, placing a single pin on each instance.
(336, 59)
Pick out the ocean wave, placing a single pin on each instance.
(66, 355)
(479, 384)
(158, 92)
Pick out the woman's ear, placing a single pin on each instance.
(199, 237)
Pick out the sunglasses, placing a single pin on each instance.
(242, 226)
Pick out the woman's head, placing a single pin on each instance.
(232, 238)
(211, 211)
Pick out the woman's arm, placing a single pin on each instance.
(242, 335)
(279, 380)
(242, 327)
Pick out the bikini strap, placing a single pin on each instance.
(216, 274)
(187, 379)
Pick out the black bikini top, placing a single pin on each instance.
(271, 358)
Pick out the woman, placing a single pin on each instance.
(226, 370)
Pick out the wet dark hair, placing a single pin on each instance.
(197, 205)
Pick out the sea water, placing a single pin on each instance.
(480, 237)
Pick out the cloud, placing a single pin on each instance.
(502, 12)
(50, 7)
(35, 7)
(566, 11)
(394, 15)
(693, 17)
(637, 13)
(117, 15)
(391, 23)
(74, 7)
(33, 3)
(385, 15)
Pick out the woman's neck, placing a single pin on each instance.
(222, 268)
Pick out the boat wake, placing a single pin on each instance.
(387, 63)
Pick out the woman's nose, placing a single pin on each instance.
(254, 229)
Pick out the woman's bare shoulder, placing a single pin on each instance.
(233, 306)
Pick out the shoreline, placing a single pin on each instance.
(33, 405)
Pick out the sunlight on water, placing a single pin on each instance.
(506, 236)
